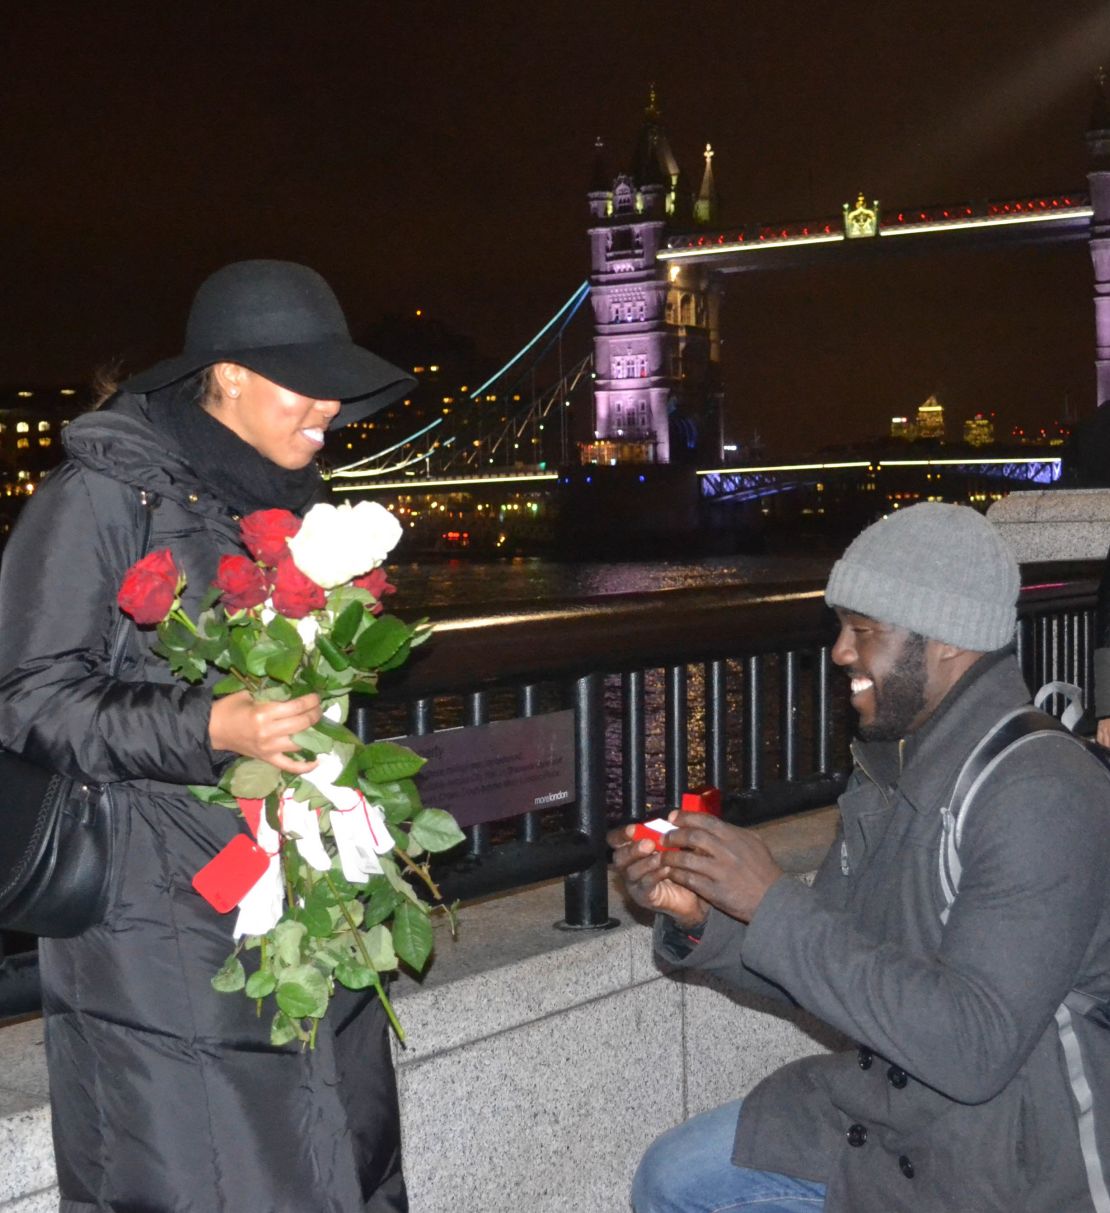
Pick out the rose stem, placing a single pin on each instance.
(375, 979)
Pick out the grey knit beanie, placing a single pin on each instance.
(940, 570)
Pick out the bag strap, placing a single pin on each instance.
(1013, 730)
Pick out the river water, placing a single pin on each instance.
(424, 585)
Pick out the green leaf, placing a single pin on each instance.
(303, 992)
(283, 666)
(342, 596)
(348, 777)
(228, 686)
(412, 936)
(379, 947)
(436, 830)
(399, 798)
(346, 624)
(393, 874)
(344, 704)
(252, 779)
(379, 907)
(259, 653)
(231, 976)
(316, 919)
(379, 642)
(353, 975)
(193, 669)
(421, 631)
(398, 659)
(387, 762)
(337, 732)
(213, 795)
(260, 984)
(282, 1030)
(335, 658)
(313, 740)
(285, 633)
(287, 937)
(212, 595)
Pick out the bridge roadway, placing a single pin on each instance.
(1049, 218)
(725, 483)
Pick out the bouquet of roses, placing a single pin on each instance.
(321, 882)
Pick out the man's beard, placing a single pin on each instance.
(901, 697)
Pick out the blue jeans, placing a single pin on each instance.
(689, 1169)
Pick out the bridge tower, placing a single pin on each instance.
(1098, 141)
(657, 395)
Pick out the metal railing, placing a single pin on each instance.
(730, 686)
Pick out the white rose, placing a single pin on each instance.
(338, 543)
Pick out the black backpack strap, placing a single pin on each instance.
(1012, 730)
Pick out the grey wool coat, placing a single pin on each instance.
(959, 1098)
(166, 1096)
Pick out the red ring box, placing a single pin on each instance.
(649, 831)
(706, 799)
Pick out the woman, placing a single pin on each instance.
(165, 1094)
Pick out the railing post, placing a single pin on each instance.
(633, 733)
(586, 893)
(716, 726)
(822, 726)
(753, 725)
(675, 726)
(788, 717)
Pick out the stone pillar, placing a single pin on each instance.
(1098, 141)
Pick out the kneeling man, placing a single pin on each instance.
(975, 981)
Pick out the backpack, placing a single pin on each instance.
(1008, 735)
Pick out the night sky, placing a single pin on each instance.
(437, 155)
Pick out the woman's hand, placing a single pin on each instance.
(640, 867)
(263, 729)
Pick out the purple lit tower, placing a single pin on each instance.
(657, 396)
(1098, 141)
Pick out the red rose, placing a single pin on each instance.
(375, 582)
(294, 593)
(265, 532)
(241, 582)
(149, 588)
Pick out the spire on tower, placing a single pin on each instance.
(1100, 108)
(601, 180)
(705, 207)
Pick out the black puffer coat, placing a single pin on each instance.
(166, 1096)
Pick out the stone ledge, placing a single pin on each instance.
(519, 1035)
(1051, 525)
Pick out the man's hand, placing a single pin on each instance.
(641, 868)
(263, 728)
(1102, 733)
(719, 863)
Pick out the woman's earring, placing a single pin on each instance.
(233, 391)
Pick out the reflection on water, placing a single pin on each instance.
(423, 585)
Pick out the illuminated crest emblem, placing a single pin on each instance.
(861, 220)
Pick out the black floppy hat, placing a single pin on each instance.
(283, 321)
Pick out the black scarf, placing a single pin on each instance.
(230, 467)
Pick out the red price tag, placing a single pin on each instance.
(226, 878)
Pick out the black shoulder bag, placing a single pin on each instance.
(56, 839)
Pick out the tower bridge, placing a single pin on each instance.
(652, 385)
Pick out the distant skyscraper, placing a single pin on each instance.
(979, 430)
(930, 419)
(902, 427)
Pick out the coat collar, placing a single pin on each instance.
(923, 765)
(119, 441)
